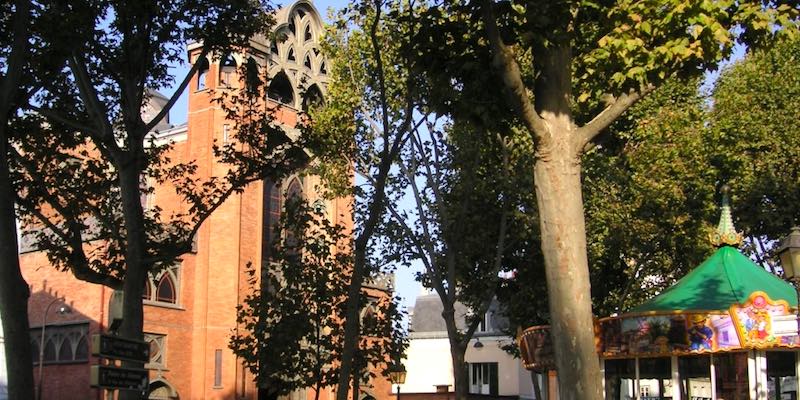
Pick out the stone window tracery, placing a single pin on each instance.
(63, 343)
(163, 287)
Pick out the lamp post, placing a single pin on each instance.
(789, 253)
(397, 375)
(64, 309)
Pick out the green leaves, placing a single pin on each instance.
(291, 322)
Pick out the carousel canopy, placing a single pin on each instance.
(724, 279)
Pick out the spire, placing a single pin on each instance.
(726, 234)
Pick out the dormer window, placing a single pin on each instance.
(227, 71)
(202, 72)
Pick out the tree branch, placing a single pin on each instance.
(96, 109)
(504, 62)
(53, 115)
(167, 107)
(18, 55)
(586, 133)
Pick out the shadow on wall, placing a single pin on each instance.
(60, 336)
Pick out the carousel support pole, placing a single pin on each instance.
(676, 379)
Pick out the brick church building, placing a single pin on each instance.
(190, 308)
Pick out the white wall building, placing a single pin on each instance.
(492, 371)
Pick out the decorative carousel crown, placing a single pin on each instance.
(726, 234)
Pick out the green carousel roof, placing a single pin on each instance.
(724, 279)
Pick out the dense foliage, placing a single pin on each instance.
(290, 332)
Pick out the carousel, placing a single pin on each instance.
(727, 330)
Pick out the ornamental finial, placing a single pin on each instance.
(726, 234)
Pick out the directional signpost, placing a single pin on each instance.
(117, 348)
(108, 377)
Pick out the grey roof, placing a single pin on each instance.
(427, 317)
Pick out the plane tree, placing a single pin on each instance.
(372, 105)
(566, 71)
(459, 210)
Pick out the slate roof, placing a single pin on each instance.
(427, 316)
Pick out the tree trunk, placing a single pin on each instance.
(458, 349)
(460, 372)
(352, 326)
(563, 234)
(14, 290)
(132, 325)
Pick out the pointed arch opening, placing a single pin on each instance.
(253, 77)
(202, 72)
(307, 61)
(165, 292)
(308, 34)
(294, 193)
(291, 56)
(280, 89)
(227, 71)
(65, 353)
(323, 68)
(313, 98)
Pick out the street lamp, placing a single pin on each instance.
(64, 309)
(397, 375)
(789, 253)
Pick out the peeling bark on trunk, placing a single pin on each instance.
(563, 235)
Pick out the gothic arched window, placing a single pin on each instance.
(312, 98)
(252, 79)
(308, 36)
(294, 192)
(202, 72)
(280, 89)
(166, 289)
(65, 353)
(163, 287)
(227, 71)
(271, 215)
